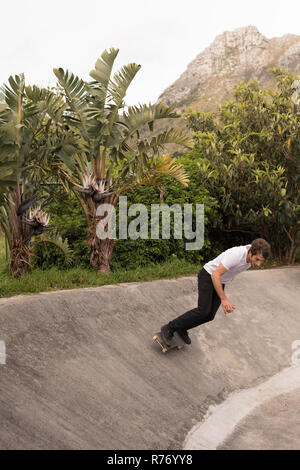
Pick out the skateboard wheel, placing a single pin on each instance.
(155, 338)
(179, 347)
(164, 350)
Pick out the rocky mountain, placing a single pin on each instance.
(232, 57)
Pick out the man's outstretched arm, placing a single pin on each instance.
(216, 279)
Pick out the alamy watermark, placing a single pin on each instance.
(140, 226)
(2, 353)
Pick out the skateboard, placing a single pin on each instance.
(176, 342)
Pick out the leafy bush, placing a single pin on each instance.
(133, 253)
(248, 158)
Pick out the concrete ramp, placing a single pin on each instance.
(82, 372)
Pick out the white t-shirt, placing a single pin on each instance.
(234, 260)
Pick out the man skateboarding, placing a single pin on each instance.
(211, 284)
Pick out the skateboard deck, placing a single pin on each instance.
(176, 342)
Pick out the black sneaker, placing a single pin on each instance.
(184, 335)
(166, 334)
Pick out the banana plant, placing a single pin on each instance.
(33, 148)
(120, 148)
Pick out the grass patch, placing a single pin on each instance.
(39, 280)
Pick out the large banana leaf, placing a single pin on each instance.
(140, 116)
(149, 171)
(8, 177)
(46, 101)
(103, 70)
(118, 87)
(8, 154)
(164, 166)
(76, 97)
(171, 136)
(13, 95)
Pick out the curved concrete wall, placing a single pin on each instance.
(82, 372)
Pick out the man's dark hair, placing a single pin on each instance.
(259, 245)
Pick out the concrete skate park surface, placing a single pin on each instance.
(82, 372)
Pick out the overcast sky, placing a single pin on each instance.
(161, 35)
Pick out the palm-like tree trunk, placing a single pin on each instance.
(100, 249)
(101, 252)
(19, 229)
(21, 256)
(17, 234)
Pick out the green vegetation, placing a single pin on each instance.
(67, 216)
(115, 157)
(244, 167)
(33, 148)
(56, 278)
(248, 158)
(80, 136)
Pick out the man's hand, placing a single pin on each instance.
(216, 279)
(227, 306)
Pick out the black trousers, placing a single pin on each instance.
(208, 304)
